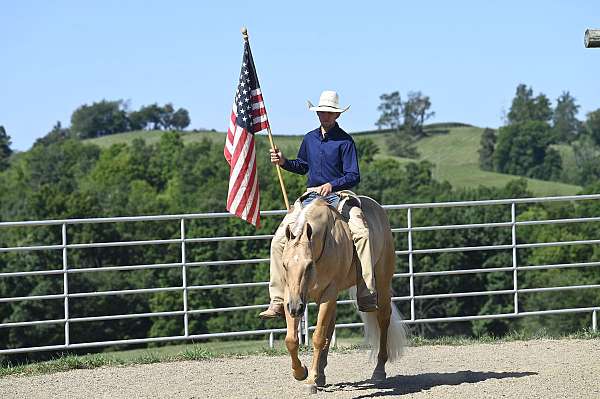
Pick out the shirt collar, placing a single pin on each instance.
(331, 133)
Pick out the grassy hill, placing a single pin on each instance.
(456, 160)
(452, 148)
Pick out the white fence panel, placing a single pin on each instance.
(185, 265)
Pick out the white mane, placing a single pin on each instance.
(301, 221)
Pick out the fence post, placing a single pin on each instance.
(410, 264)
(513, 216)
(300, 341)
(271, 340)
(184, 276)
(594, 321)
(65, 281)
(306, 336)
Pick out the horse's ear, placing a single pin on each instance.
(288, 233)
(308, 231)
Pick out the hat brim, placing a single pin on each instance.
(324, 108)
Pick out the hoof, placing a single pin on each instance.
(302, 376)
(320, 381)
(378, 376)
(311, 389)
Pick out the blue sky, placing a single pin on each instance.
(468, 56)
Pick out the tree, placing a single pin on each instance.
(166, 114)
(564, 121)
(587, 160)
(99, 119)
(523, 144)
(180, 119)
(137, 120)
(522, 149)
(367, 149)
(486, 149)
(551, 167)
(5, 150)
(526, 108)
(151, 114)
(592, 125)
(415, 112)
(58, 133)
(390, 108)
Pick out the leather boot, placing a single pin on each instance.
(275, 310)
(367, 303)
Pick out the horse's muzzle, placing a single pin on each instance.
(296, 307)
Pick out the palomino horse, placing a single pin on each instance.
(319, 261)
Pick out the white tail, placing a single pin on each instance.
(396, 339)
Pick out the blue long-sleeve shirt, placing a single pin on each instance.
(330, 159)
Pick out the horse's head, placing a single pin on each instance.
(299, 268)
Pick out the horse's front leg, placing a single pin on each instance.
(320, 381)
(292, 343)
(321, 337)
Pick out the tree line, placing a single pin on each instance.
(73, 179)
(104, 118)
(526, 144)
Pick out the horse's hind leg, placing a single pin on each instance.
(383, 319)
(292, 343)
(320, 381)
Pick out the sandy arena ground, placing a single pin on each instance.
(528, 369)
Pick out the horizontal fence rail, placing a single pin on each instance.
(185, 266)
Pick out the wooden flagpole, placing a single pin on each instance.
(285, 197)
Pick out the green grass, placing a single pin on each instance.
(456, 160)
(510, 337)
(454, 155)
(153, 136)
(213, 350)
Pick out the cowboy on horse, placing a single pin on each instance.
(328, 154)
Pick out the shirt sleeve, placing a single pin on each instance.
(300, 164)
(351, 175)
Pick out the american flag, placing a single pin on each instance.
(248, 117)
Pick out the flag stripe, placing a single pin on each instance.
(253, 212)
(239, 171)
(240, 203)
(258, 112)
(240, 149)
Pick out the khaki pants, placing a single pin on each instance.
(359, 230)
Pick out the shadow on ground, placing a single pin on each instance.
(405, 384)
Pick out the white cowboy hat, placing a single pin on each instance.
(328, 102)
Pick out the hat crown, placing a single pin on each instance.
(328, 102)
(329, 98)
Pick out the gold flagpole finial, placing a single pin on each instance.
(245, 33)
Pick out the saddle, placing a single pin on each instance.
(347, 200)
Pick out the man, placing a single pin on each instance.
(328, 155)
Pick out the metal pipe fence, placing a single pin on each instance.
(185, 266)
